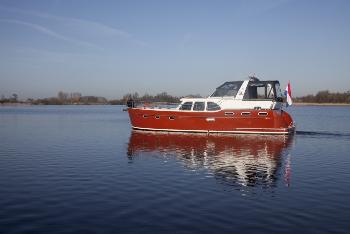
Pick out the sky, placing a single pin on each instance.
(110, 48)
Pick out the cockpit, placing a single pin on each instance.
(263, 90)
(255, 90)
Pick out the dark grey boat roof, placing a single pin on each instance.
(251, 82)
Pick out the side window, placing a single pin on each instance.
(198, 106)
(254, 91)
(260, 92)
(270, 92)
(278, 90)
(186, 106)
(212, 106)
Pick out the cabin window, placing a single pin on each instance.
(186, 106)
(260, 92)
(199, 106)
(212, 106)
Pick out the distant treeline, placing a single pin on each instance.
(161, 97)
(12, 99)
(62, 98)
(77, 98)
(325, 97)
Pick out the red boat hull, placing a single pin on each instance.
(224, 121)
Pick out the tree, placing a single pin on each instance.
(14, 97)
(62, 96)
(326, 97)
(75, 97)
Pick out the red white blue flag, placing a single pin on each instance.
(288, 94)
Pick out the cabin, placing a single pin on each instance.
(248, 94)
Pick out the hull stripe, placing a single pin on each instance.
(286, 131)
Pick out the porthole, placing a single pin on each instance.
(145, 116)
(245, 113)
(229, 113)
(263, 114)
(157, 117)
(171, 117)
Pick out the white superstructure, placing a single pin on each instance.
(248, 94)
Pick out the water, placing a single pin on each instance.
(80, 169)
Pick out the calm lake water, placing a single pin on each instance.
(81, 169)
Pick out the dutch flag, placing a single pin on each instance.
(288, 94)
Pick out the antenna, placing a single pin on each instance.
(253, 77)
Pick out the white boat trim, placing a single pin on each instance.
(284, 132)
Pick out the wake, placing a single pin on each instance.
(320, 133)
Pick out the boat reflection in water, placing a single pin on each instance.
(237, 160)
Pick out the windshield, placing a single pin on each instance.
(228, 89)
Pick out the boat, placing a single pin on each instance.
(250, 106)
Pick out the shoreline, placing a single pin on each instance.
(30, 104)
(319, 104)
(106, 104)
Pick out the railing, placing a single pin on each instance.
(155, 105)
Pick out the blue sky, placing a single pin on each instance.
(109, 48)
